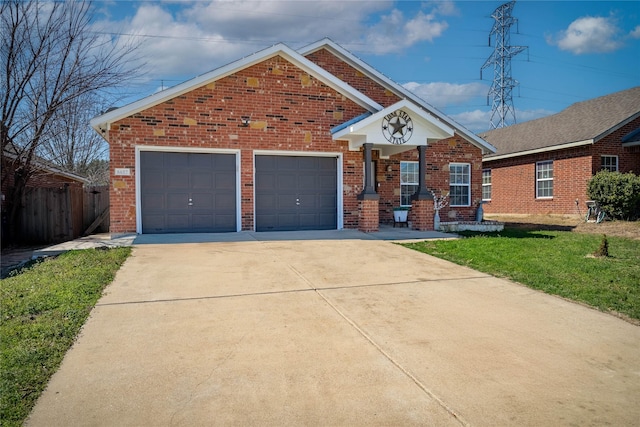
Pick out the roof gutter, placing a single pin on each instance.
(539, 150)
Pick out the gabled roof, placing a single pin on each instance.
(396, 88)
(582, 123)
(101, 122)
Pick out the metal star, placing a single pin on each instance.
(398, 126)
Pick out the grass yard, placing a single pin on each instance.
(556, 262)
(43, 308)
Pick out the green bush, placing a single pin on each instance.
(617, 193)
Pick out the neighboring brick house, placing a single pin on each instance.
(286, 140)
(543, 166)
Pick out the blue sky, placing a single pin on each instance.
(577, 50)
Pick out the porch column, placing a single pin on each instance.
(422, 193)
(368, 173)
(422, 200)
(368, 214)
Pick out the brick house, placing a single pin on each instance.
(543, 166)
(286, 140)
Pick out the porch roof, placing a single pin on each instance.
(392, 130)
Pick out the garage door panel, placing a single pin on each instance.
(201, 180)
(224, 203)
(153, 222)
(287, 221)
(286, 163)
(307, 182)
(224, 162)
(153, 180)
(177, 201)
(202, 201)
(224, 221)
(177, 180)
(328, 219)
(178, 221)
(176, 160)
(150, 159)
(169, 180)
(202, 222)
(286, 182)
(326, 182)
(225, 182)
(153, 201)
(267, 182)
(266, 201)
(286, 202)
(200, 160)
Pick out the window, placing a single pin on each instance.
(486, 184)
(544, 179)
(460, 184)
(408, 181)
(609, 163)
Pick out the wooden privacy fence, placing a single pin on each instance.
(51, 215)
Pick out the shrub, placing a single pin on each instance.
(618, 194)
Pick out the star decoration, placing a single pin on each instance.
(398, 126)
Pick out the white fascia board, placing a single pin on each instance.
(100, 122)
(401, 91)
(539, 150)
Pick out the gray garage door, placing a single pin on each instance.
(187, 192)
(296, 193)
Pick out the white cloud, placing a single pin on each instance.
(441, 94)
(195, 37)
(189, 38)
(394, 33)
(589, 34)
(635, 33)
(475, 121)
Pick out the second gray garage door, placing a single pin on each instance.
(188, 192)
(296, 193)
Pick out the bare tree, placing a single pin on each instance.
(49, 59)
(72, 145)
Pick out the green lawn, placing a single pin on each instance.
(556, 262)
(43, 307)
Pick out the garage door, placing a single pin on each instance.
(187, 192)
(296, 193)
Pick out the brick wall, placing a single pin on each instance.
(514, 183)
(628, 157)
(353, 77)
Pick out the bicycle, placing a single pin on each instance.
(594, 211)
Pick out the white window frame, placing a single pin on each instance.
(416, 171)
(543, 179)
(608, 166)
(466, 185)
(486, 184)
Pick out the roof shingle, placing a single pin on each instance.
(587, 120)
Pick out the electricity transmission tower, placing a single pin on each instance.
(502, 107)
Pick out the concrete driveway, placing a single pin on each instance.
(336, 332)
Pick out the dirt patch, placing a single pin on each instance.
(573, 223)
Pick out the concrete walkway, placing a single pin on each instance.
(336, 332)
